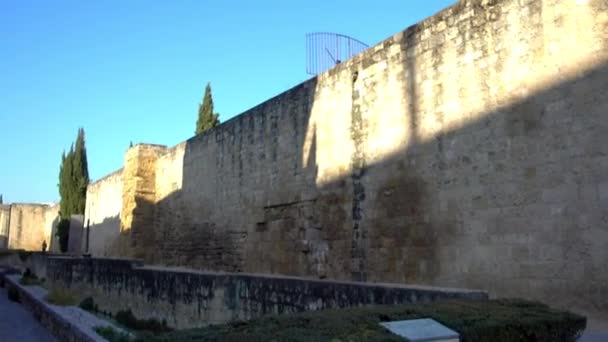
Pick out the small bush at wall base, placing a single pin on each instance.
(126, 318)
(112, 335)
(13, 294)
(88, 304)
(61, 296)
(24, 255)
(29, 278)
(476, 321)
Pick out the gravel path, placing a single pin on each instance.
(18, 324)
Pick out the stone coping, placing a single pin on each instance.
(136, 264)
(480, 293)
(67, 323)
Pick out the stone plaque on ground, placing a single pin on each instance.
(419, 330)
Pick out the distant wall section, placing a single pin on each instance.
(31, 224)
(5, 212)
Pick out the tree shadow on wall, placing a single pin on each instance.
(105, 238)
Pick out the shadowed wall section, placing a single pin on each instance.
(469, 150)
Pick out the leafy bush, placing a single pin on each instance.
(88, 304)
(496, 320)
(30, 278)
(24, 255)
(13, 294)
(61, 296)
(126, 318)
(63, 234)
(112, 335)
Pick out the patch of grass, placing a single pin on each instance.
(476, 321)
(112, 335)
(126, 318)
(61, 296)
(13, 294)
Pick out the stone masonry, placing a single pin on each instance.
(27, 225)
(470, 150)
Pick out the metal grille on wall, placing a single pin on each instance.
(325, 50)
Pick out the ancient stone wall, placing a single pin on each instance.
(138, 198)
(102, 214)
(469, 150)
(5, 212)
(31, 224)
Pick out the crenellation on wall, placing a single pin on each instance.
(468, 150)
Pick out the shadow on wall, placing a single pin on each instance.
(510, 200)
(53, 243)
(507, 203)
(105, 238)
(233, 187)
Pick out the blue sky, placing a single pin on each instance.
(136, 70)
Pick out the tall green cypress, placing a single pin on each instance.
(73, 181)
(207, 118)
(80, 174)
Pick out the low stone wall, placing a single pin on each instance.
(50, 316)
(21, 260)
(186, 298)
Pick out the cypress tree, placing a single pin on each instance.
(73, 181)
(1, 199)
(207, 118)
(80, 174)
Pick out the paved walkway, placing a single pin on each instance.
(597, 330)
(18, 324)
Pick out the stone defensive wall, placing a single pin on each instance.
(470, 150)
(26, 225)
(103, 205)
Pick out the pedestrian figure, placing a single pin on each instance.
(43, 246)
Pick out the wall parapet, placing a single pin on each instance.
(188, 298)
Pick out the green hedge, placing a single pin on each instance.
(112, 335)
(496, 320)
(127, 319)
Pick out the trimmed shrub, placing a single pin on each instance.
(112, 335)
(24, 255)
(29, 278)
(61, 296)
(88, 304)
(476, 321)
(126, 318)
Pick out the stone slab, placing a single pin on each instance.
(419, 330)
